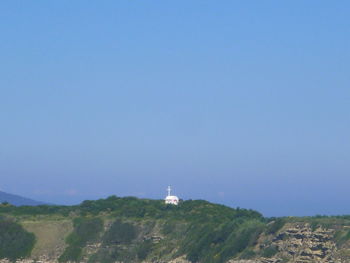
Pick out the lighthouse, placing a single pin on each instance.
(171, 199)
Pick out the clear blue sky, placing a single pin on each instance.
(245, 103)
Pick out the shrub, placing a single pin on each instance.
(120, 233)
(341, 237)
(269, 251)
(274, 227)
(71, 253)
(144, 249)
(15, 242)
(244, 237)
(85, 230)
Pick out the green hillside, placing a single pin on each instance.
(141, 230)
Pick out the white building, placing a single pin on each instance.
(171, 199)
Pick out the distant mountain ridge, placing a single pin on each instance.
(18, 200)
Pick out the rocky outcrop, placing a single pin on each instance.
(298, 243)
(303, 245)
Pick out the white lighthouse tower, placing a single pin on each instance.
(171, 199)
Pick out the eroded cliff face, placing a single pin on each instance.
(299, 243)
(304, 245)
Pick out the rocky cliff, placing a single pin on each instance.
(299, 243)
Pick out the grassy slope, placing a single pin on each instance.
(50, 232)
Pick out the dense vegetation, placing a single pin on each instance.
(86, 229)
(118, 244)
(15, 242)
(133, 207)
(120, 233)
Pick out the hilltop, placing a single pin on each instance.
(17, 200)
(142, 230)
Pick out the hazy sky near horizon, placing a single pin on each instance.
(244, 103)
